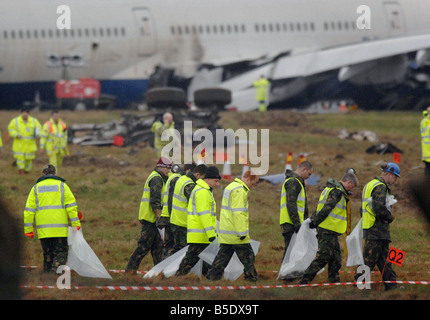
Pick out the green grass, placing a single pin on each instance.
(108, 184)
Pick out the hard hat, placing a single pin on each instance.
(393, 168)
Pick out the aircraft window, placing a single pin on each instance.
(172, 29)
(194, 29)
(58, 34)
(94, 32)
(215, 29)
(285, 27)
(228, 28)
(187, 31)
(298, 26)
(101, 32)
(20, 33)
(243, 28)
(12, 34)
(263, 27)
(257, 28)
(325, 26)
(87, 32)
(28, 34)
(179, 30)
(35, 33)
(50, 33)
(353, 25)
(65, 33)
(333, 25)
(312, 26)
(201, 29)
(291, 26)
(236, 28)
(346, 25)
(5, 34)
(270, 27)
(123, 31)
(339, 25)
(72, 33)
(278, 27)
(208, 29)
(221, 28)
(305, 26)
(108, 32)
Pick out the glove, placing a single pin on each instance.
(242, 237)
(212, 239)
(297, 227)
(312, 225)
(30, 234)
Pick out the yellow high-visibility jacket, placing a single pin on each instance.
(367, 213)
(53, 137)
(301, 204)
(179, 213)
(145, 210)
(50, 205)
(157, 128)
(24, 147)
(165, 212)
(337, 218)
(425, 139)
(261, 86)
(201, 218)
(234, 217)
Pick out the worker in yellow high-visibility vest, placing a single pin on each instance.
(25, 129)
(261, 86)
(50, 205)
(201, 220)
(425, 141)
(234, 229)
(53, 139)
(331, 220)
(178, 216)
(149, 212)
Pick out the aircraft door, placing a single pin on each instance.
(395, 17)
(146, 31)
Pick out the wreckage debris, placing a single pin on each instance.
(384, 147)
(358, 136)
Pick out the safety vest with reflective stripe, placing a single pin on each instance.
(234, 217)
(25, 146)
(201, 218)
(301, 204)
(50, 203)
(366, 208)
(165, 211)
(145, 210)
(425, 139)
(53, 137)
(178, 216)
(337, 219)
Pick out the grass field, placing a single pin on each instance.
(108, 184)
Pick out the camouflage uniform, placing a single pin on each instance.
(377, 238)
(150, 238)
(328, 242)
(293, 189)
(191, 258)
(244, 253)
(55, 252)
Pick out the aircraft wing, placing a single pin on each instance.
(305, 64)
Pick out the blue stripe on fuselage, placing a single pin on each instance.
(13, 95)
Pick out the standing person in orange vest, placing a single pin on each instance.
(54, 139)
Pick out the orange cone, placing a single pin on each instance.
(226, 171)
(302, 158)
(288, 161)
(245, 167)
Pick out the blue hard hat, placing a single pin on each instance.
(393, 168)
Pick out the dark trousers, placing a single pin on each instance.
(179, 237)
(150, 240)
(375, 254)
(244, 253)
(55, 252)
(191, 258)
(287, 232)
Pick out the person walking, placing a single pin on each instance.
(294, 207)
(50, 204)
(377, 217)
(149, 212)
(25, 129)
(331, 220)
(201, 220)
(158, 128)
(181, 195)
(234, 229)
(53, 139)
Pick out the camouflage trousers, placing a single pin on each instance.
(191, 258)
(328, 253)
(179, 237)
(55, 252)
(375, 254)
(164, 222)
(287, 230)
(244, 253)
(150, 240)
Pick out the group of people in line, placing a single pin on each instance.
(27, 130)
(180, 200)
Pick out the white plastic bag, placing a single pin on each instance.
(82, 258)
(354, 246)
(301, 251)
